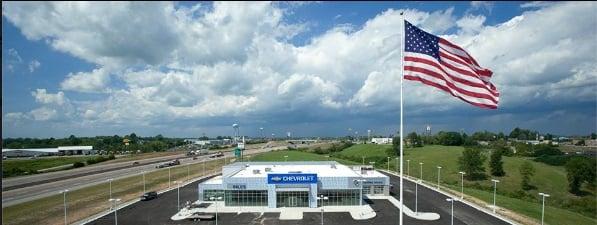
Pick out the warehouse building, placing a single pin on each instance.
(293, 184)
(61, 150)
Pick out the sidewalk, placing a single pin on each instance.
(295, 213)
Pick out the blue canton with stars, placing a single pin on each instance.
(419, 41)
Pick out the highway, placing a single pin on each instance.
(41, 185)
(159, 211)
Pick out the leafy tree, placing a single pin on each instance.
(580, 143)
(471, 162)
(395, 146)
(593, 136)
(496, 164)
(449, 138)
(526, 172)
(580, 170)
(544, 149)
(414, 139)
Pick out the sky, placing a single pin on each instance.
(187, 69)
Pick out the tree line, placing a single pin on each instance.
(107, 143)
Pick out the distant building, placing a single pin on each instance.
(61, 150)
(381, 141)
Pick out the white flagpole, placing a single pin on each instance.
(401, 107)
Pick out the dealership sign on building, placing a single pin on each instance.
(285, 178)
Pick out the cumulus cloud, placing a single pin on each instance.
(42, 96)
(94, 81)
(235, 59)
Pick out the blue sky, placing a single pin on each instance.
(314, 69)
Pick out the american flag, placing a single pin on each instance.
(437, 62)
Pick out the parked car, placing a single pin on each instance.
(149, 195)
(219, 154)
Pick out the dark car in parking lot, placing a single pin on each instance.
(149, 195)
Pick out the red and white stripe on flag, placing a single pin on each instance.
(437, 62)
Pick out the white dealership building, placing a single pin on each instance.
(293, 184)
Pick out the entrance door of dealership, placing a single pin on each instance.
(292, 199)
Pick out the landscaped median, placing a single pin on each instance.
(85, 202)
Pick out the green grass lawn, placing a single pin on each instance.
(16, 167)
(365, 150)
(277, 156)
(548, 179)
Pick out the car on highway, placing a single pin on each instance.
(217, 155)
(135, 163)
(149, 195)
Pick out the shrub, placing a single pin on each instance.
(526, 171)
(78, 164)
(111, 157)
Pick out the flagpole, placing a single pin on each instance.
(401, 112)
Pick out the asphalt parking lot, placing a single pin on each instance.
(159, 211)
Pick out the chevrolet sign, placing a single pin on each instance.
(286, 178)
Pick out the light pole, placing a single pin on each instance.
(188, 171)
(417, 196)
(494, 191)
(115, 205)
(408, 167)
(203, 167)
(321, 198)
(363, 162)
(110, 180)
(144, 182)
(439, 168)
(388, 163)
(64, 194)
(421, 164)
(543, 207)
(462, 184)
(214, 198)
(178, 195)
(285, 158)
(169, 177)
(451, 200)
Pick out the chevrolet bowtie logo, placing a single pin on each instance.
(276, 178)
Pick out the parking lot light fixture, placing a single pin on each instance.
(285, 158)
(144, 182)
(421, 164)
(494, 191)
(408, 167)
(451, 200)
(388, 163)
(322, 198)
(178, 195)
(462, 184)
(110, 180)
(115, 207)
(213, 199)
(169, 177)
(439, 168)
(543, 195)
(64, 194)
(417, 196)
(363, 162)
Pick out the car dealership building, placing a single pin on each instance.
(293, 184)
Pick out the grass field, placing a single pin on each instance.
(84, 202)
(15, 167)
(276, 156)
(365, 150)
(548, 179)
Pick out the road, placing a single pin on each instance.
(160, 210)
(51, 183)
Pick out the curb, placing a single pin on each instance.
(126, 204)
(480, 208)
